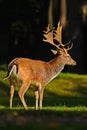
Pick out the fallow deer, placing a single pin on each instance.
(39, 73)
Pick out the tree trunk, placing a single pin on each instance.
(50, 13)
(63, 13)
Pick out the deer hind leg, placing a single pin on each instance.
(11, 95)
(21, 93)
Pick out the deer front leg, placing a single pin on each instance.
(21, 93)
(11, 95)
(37, 98)
(41, 98)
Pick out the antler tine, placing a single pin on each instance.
(58, 34)
(67, 43)
(48, 29)
(69, 48)
(48, 34)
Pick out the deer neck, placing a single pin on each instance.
(57, 64)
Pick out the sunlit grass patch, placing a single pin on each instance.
(64, 108)
(71, 85)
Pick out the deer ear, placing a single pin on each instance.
(54, 51)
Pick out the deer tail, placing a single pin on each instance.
(13, 68)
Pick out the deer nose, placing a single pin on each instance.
(74, 63)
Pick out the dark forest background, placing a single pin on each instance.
(22, 23)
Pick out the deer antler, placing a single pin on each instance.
(58, 37)
(48, 34)
(58, 34)
(51, 34)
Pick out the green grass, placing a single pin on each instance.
(64, 104)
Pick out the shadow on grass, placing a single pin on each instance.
(4, 92)
(55, 100)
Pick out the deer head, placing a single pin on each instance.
(51, 35)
